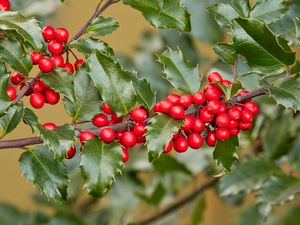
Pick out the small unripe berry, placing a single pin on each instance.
(48, 33)
(198, 125)
(107, 135)
(46, 65)
(168, 147)
(52, 97)
(195, 140)
(211, 139)
(174, 98)
(185, 100)
(62, 35)
(36, 57)
(85, 136)
(165, 106)
(50, 126)
(100, 120)
(177, 112)
(214, 77)
(71, 153)
(180, 144)
(139, 114)
(128, 139)
(16, 78)
(11, 92)
(37, 100)
(139, 129)
(222, 134)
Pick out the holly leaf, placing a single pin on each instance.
(179, 72)
(113, 83)
(223, 13)
(276, 191)
(102, 26)
(155, 197)
(30, 119)
(265, 52)
(225, 153)
(87, 102)
(286, 91)
(251, 216)
(269, 11)
(11, 119)
(297, 30)
(226, 53)
(88, 45)
(13, 54)
(59, 140)
(39, 167)
(100, 163)
(163, 13)
(294, 154)
(247, 176)
(242, 7)
(4, 98)
(292, 216)
(27, 29)
(159, 134)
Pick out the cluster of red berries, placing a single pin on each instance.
(212, 120)
(4, 5)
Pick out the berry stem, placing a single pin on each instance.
(27, 87)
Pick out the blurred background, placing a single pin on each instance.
(136, 43)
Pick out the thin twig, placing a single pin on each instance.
(27, 87)
(234, 69)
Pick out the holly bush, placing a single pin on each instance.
(145, 127)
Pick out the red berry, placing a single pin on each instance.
(139, 129)
(185, 100)
(252, 107)
(106, 108)
(213, 106)
(116, 119)
(245, 126)
(39, 86)
(222, 134)
(247, 116)
(223, 107)
(234, 113)
(48, 33)
(4, 5)
(139, 114)
(227, 83)
(50, 126)
(69, 67)
(211, 139)
(199, 98)
(128, 139)
(78, 63)
(62, 35)
(195, 140)
(125, 155)
(165, 106)
(107, 135)
(71, 153)
(188, 123)
(173, 98)
(36, 57)
(28, 92)
(177, 112)
(100, 120)
(58, 60)
(52, 97)
(212, 94)
(16, 78)
(222, 120)
(46, 65)
(176, 135)
(85, 136)
(214, 77)
(198, 125)
(55, 47)
(37, 100)
(156, 107)
(234, 132)
(180, 144)
(232, 124)
(208, 86)
(11, 92)
(206, 116)
(168, 148)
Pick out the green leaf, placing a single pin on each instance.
(242, 7)
(11, 119)
(265, 52)
(100, 163)
(269, 11)
(102, 26)
(4, 98)
(61, 81)
(14, 55)
(163, 13)
(247, 176)
(159, 134)
(27, 28)
(155, 197)
(10, 215)
(168, 164)
(87, 46)
(292, 217)
(223, 13)
(225, 153)
(276, 191)
(226, 53)
(59, 140)
(87, 102)
(30, 119)
(276, 140)
(294, 154)
(251, 216)
(39, 167)
(198, 211)
(179, 72)
(113, 83)
(297, 30)
(231, 91)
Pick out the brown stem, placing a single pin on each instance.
(163, 211)
(27, 87)
(253, 94)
